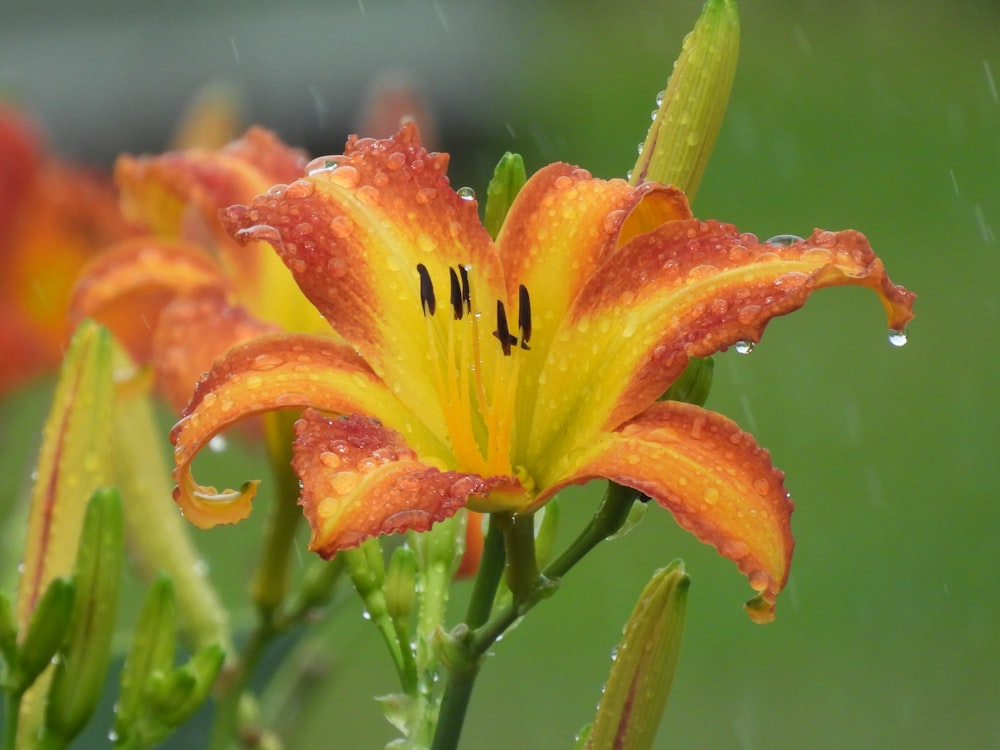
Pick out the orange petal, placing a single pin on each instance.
(284, 371)
(127, 287)
(687, 289)
(355, 232)
(361, 480)
(179, 194)
(184, 348)
(715, 480)
(474, 542)
(561, 227)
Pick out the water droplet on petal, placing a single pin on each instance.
(783, 240)
(711, 495)
(898, 338)
(743, 346)
(466, 193)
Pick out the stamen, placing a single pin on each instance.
(503, 332)
(456, 295)
(466, 294)
(427, 301)
(524, 315)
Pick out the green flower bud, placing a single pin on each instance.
(45, 634)
(508, 179)
(694, 384)
(178, 694)
(644, 666)
(79, 676)
(8, 631)
(401, 586)
(151, 652)
(690, 113)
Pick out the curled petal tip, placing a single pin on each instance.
(206, 507)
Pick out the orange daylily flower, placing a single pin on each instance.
(492, 375)
(156, 292)
(54, 216)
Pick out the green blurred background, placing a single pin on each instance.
(884, 117)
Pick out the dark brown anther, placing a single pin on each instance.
(524, 315)
(456, 295)
(503, 332)
(426, 290)
(466, 295)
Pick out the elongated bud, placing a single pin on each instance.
(401, 585)
(174, 696)
(75, 459)
(158, 537)
(644, 666)
(508, 179)
(690, 113)
(46, 632)
(151, 651)
(8, 631)
(79, 676)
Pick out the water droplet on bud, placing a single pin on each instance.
(659, 98)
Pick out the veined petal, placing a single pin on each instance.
(184, 348)
(361, 480)
(712, 476)
(687, 289)
(367, 236)
(179, 194)
(127, 287)
(562, 226)
(283, 371)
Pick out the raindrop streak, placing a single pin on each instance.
(743, 346)
(783, 240)
(989, 80)
(236, 53)
(897, 338)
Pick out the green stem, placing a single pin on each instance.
(270, 582)
(609, 518)
(491, 568)
(522, 565)
(269, 587)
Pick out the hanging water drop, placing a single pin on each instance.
(898, 338)
(217, 444)
(743, 346)
(783, 240)
(466, 193)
